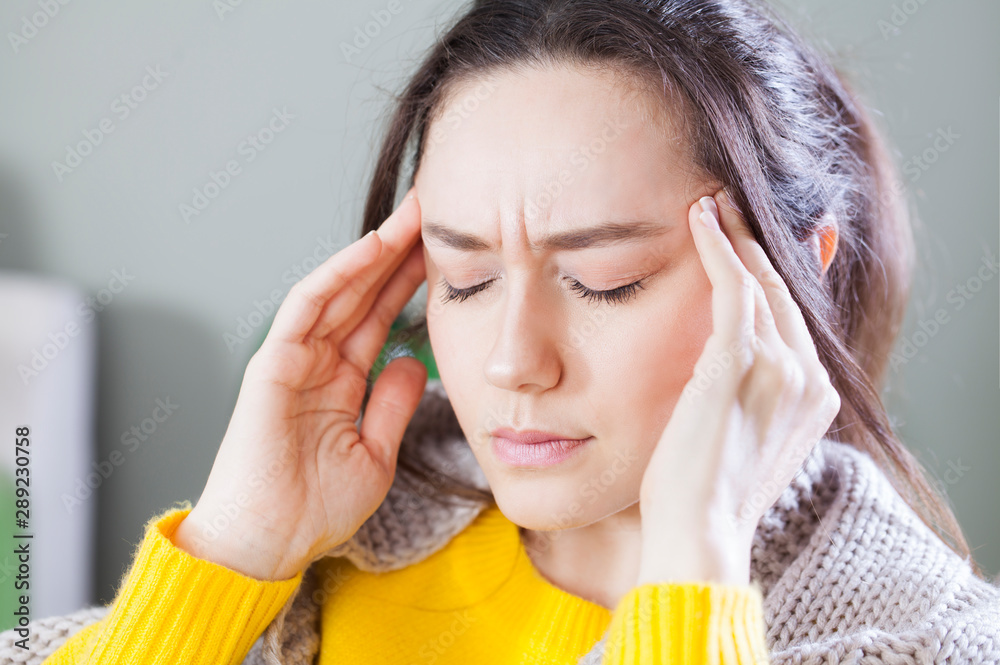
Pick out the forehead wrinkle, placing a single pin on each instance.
(643, 103)
(601, 235)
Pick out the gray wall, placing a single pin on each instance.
(222, 78)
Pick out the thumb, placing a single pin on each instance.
(394, 399)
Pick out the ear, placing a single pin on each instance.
(824, 241)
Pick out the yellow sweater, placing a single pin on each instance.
(477, 600)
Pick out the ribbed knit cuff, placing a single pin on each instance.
(173, 607)
(692, 623)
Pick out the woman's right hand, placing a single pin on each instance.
(295, 475)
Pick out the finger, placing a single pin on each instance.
(786, 314)
(298, 313)
(332, 325)
(394, 399)
(362, 346)
(345, 308)
(732, 302)
(307, 298)
(764, 323)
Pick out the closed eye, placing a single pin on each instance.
(618, 295)
(622, 294)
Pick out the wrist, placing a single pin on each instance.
(233, 548)
(678, 555)
(659, 570)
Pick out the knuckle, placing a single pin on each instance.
(743, 361)
(769, 277)
(743, 352)
(266, 366)
(789, 375)
(820, 391)
(383, 312)
(254, 363)
(823, 376)
(743, 230)
(832, 398)
(746, 283)
(301, 291)
(826, 404)
(758, 349)
(263, 358)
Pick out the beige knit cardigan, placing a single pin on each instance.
(849, 573)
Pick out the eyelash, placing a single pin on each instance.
(622, 294)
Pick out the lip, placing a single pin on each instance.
(530, 436)
(534, 448)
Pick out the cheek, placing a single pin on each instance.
(438, 329)
(677, 333)
(452, 349)
(451, 343)
(658, 354)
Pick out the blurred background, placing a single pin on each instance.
(169, 170)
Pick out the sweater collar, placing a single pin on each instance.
(408, 526)
(485, 567)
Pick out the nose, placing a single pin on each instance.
(525, 356)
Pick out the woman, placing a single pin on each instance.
(665, 266)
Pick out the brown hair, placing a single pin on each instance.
(768, 117)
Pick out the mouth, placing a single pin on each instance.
(534, 448)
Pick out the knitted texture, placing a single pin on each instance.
(47, 635)
(848, 571)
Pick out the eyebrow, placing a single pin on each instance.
(601, 235)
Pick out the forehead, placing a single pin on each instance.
(553, 142)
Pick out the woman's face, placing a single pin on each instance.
(547, 153)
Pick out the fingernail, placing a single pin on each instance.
(708, 203)
(708, 219)
(708, 215)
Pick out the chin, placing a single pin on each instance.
(544, 503)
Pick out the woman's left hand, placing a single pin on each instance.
(759, 401)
